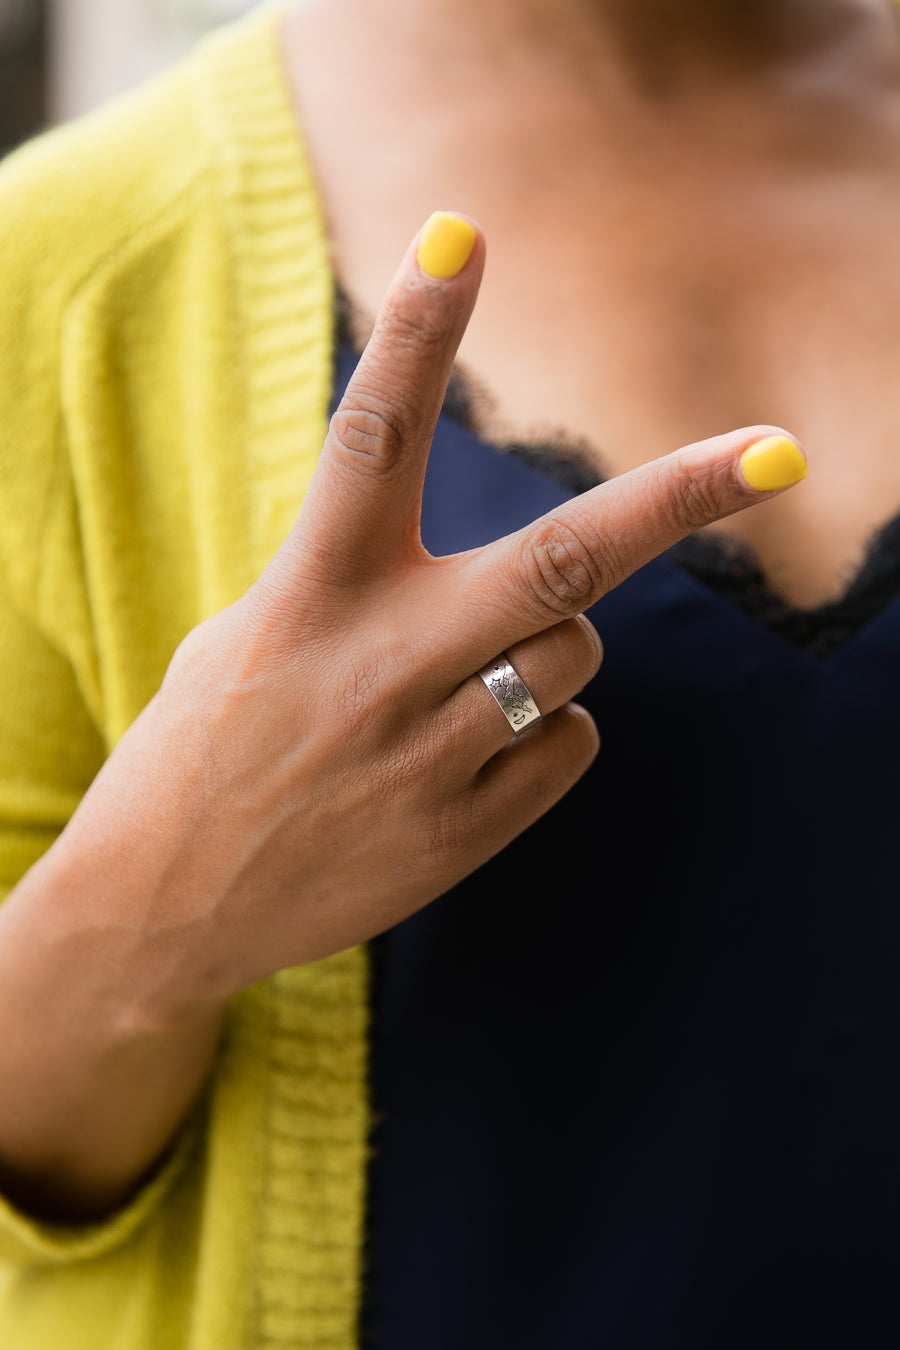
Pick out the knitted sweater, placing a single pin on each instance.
(165, 365)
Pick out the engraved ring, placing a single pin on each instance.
(510, 691)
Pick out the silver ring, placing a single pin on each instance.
(510, 691)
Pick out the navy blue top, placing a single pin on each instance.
(637, 1080)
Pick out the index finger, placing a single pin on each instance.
(568, 559)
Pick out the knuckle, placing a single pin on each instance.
(448, 836)
(585, 732)
(369, 437)
(577, 742)
(356, 693)
(564, 574)
(397, 775)
(362, 689)
(220, 652)
(271, 600)
(591, 646)
(419, 330)
(692, 498)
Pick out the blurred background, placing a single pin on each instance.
(59, 58)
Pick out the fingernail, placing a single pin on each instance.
(774, 462)
(446, 245)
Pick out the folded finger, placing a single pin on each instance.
(554, 667)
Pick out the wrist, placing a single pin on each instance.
(76, 927)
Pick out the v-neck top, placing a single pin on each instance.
(636, 1080)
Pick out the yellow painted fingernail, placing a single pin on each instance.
(446, 245)
(773, 462)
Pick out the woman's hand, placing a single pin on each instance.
(322, 759)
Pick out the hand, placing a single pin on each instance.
(322, 759)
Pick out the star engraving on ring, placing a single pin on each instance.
(510, 691)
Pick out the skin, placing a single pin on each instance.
(702, 196)
(320, 762)
(321, 759)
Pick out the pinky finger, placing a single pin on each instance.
(534, 770)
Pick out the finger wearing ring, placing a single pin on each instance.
(512, 694)
(555, 665)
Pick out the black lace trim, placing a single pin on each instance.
(733, 572)
(728, 567)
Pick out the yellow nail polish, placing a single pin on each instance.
(774, 462)
(446, 245)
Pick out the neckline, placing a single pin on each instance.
(725, 564)
(722, 564)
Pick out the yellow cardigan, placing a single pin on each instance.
(165, 363)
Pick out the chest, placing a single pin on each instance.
(644, 292)
(630, 343)
(623, 344)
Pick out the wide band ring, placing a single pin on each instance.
(511, 692)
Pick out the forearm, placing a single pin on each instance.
(92, 1091)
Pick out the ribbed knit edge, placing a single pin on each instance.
(43, 1243)
(283, 277)
(309, 1241)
